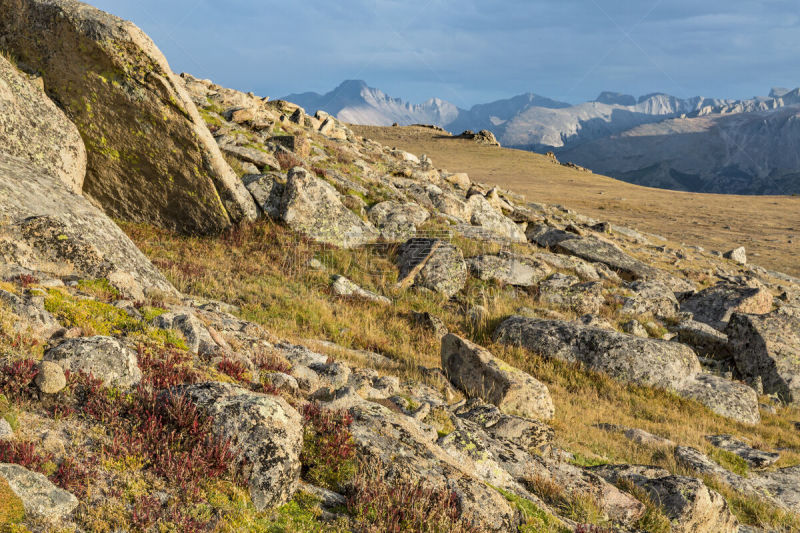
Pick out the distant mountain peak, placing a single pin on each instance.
(615, 98)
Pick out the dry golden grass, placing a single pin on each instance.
(261, 268)
(765, 225)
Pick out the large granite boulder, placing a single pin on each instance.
(644, 361)
(47, 228)
(432, 264)
(715, 305)
(312, 207)
(397, 221)
(768, 347)
(267, 431)
(650, 297)
(150, 156)
(725, 397)
(35, 130)
(507, 268)
(480, 374)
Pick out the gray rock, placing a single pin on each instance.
(266, 430)
(281, 382)
(737, 255)
(567, 293)
(522, 431)
(755, 458)
(33, 128)
(650, 297)
(6, 432)
(50, 378)
(480, 374)
(198, 339)
(430, 322)
(638, 436)
(688, 503)
(42, 500)
(312, 207)
(488, 218)
(715, 305)
(704, 339)
(397, 221)
(644, 361)
(767, 347)
(267, 191)
(635, 328)
(137, 121)
(432, 264)
(106, 358)
(344, 287)
(507, 268)
(725, 397)
(261, 159)
(32, 313)
(49, 229)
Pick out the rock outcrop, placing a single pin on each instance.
(432, 264)
(150, 157)
(714, 305)
(480, 374)
(42, 500)
(35, 130)
(106, 358)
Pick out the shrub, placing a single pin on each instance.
(328, 452)
(165, 368)
(25, 454)
(287, 160)
(402, 505)
(16, 379)
(233, 368)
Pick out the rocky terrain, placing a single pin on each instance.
(288, 327)
(688, 144)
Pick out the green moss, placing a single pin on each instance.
(537, 520)
(210, 117)
(100, 289)
(729, 461)
(584, 461)
(92, 316)
(11, 509)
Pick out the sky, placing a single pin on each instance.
(477, 51)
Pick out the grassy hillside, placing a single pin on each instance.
(768, 226)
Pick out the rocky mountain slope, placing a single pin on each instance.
(695, 144)
(388, 347)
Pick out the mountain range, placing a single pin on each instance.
(697, 144)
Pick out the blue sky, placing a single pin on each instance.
(476, 51)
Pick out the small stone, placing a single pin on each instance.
(737, 255)
(5, 429)
(50, 378)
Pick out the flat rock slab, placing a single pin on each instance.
(725, 397)
(480, 374)
(644, 361)
(768, 347)
(715, 305)
(754, 458)
(41, 499)
(508, 269)
(342, 286)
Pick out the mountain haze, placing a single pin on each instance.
(694, 144)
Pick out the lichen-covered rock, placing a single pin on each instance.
(688, 503)
(524, 432)
(704, 339)
(267, 191)
(106, 358)
(489, 219)
(725, 397)
(432, 264)
(47, 228)
(150, 156)
(508, 268)
(644, 361)
(342, 286)
(312, 207)
(737, 255)
(755, 458)
(715, 305)
(768, 347)
(650, 297)
(34, 129)
(50, 378)
(41, 499)
(568, 293)
(397, 221)
(266, 430)
(480, 374)
(31, 310)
